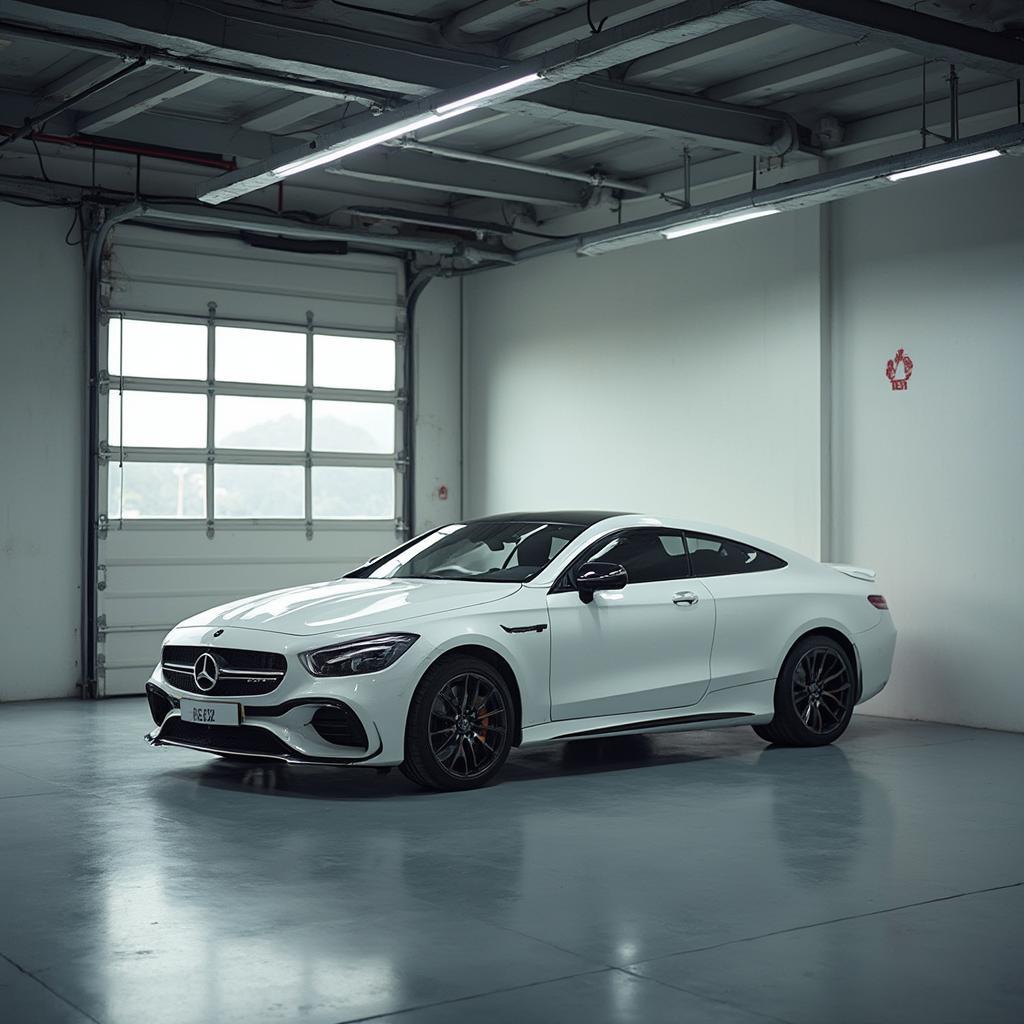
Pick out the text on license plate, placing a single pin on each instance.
(211, 712)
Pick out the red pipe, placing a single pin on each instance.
(110, 145)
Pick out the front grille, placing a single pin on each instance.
(240, 673)
(240, 739)
(340, 725)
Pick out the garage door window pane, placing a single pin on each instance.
(156, 490)
(364, 363)
(259, 492)
(350, 492)
(253, 356)
(363, 427)
(147, 348)
(156, 419)
(273, 424)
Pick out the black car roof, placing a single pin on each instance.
(575, 517)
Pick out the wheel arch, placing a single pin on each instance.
(841, 638)
(500, 665)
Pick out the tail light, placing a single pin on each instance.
(879, 602)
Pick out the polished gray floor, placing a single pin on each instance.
(696, 877)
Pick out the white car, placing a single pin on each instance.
(443, 654)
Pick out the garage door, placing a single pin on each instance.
(251, 424)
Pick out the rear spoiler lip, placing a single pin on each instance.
(858, 572)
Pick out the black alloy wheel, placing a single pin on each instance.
(814, 695)
(460, 725)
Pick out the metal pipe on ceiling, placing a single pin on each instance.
(270, 225)
(810, 191)
(182, 156)
(595, 179)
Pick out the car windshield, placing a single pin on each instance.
(491, 552)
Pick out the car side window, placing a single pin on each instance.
(719, 556)
(648, 555)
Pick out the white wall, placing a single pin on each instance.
(694, 376)
(929, 482)
(41, 418)
(438, 411)
(679, 377)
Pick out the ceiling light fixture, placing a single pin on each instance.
(945, 165)
(373, 138)
(239, 183)
(708, 224)
(478, 99)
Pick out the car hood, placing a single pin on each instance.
(350, 604)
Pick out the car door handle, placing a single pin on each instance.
(685, 597)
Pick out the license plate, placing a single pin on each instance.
(211, 712)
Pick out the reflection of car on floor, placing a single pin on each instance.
(444, 653)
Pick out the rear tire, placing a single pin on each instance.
(814, 695)
(460, 725)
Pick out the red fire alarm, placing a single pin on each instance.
(442, 492)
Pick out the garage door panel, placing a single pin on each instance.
(141, 266)
(253, 305)
(185, 589)
(154, 572)
(188, 542)
(146, 272)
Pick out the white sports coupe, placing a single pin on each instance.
(443, 654)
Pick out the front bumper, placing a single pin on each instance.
(265, 732)
(279, 724)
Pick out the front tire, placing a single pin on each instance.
(814, 695)
(460, 725)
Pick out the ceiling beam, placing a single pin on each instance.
(283, 113)
(288, 52)
(638, 112)
(904, 29)
(573, 25)
(141, 100)
(798, 75)
(700, 50)
(78, 79)
(903, 84)
(484, 18)
(398, 167)
(558, 143)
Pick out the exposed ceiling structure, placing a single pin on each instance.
(618, 104)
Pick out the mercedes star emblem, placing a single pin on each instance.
(205, 671)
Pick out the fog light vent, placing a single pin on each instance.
(159, 704)
(340, 725)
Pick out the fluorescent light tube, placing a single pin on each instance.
(944, 165)
(479, 98)
(374, 138)
(697, 226)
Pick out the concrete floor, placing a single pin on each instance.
(696, 877)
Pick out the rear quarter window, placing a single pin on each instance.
(720, 556)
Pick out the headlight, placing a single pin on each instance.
(357, 657)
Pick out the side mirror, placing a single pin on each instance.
(596, 576)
